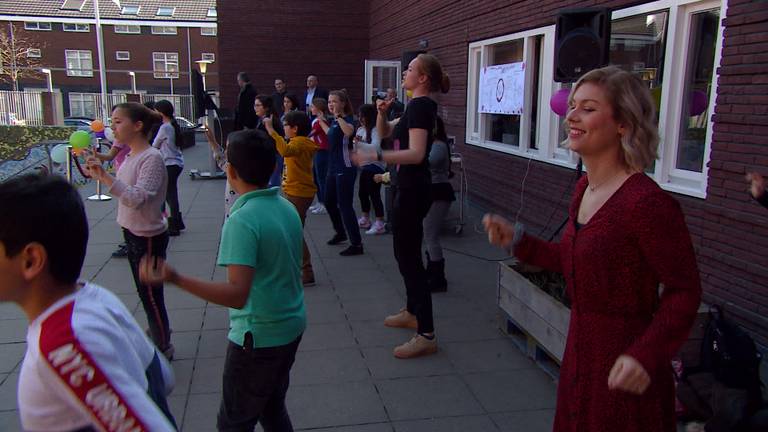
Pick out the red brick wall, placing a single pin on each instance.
(293, 40)
(729, 231)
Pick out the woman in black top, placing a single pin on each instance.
(265, 108)
(413, 136)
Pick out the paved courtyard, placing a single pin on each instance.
(345, 377)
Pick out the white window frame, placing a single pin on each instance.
(165, 11)
(164, 30)
(76, 27)
(211, 57)
(675, 57)
(34, 53)
(212, 13)
(165, 73)
(82, 99)
(127, 29)
(126, 55)
(36, 26)
(208, 31)
(130, 10)
(81, 71)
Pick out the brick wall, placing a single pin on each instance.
(729, 232)
(293, 40)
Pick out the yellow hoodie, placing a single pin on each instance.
(298, 179)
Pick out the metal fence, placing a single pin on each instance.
(21, 108)
(183, 104)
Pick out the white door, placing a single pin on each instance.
(381, 75)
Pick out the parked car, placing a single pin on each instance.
(187, 125)
(81, 123)
(11, 119)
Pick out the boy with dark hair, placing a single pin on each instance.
(88, 365)
(298, 179)
(261, 249)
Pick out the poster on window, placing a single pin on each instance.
(502, 88)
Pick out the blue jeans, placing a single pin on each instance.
(339, 194)
(277, 176)
(320, 168)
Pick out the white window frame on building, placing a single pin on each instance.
(208, 31)
(77, 104)
(130, 10)
(164, 30)
(211, 57)
(676, 58)
(34, 53)
(212, 13)
(84, 60)
(127, 29)
(37, 26)
(76, 27)
(168, 60)
(122, 55)
(165, 11)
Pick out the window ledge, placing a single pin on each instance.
(508, 149)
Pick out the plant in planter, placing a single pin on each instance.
(550, 282)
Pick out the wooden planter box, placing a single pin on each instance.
(539, 319)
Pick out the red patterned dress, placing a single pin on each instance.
(613, 266)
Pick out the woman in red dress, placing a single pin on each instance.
(624, 239)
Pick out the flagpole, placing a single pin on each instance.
(102, 63)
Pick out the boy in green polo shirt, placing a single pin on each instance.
(261, 246)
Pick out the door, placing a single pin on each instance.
(381, 75)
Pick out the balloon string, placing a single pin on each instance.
(80, 168)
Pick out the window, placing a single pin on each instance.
(211, 57)
(72, 27)
(42, 26)
(122, 55)
(79, 63)
(212, 13)
(127, 29)
(72, 5)
(165, 64)
(208, 31)
(34, 53)
(82, 105)
(130, 10)
(165, 11)
(163, 30)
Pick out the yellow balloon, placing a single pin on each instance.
(409, 93)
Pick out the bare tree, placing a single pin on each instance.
(15, 59)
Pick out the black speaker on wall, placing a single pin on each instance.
(582, 42)
(407, 57)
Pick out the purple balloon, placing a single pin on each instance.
(100, 134)
(559, 102)
(698, 103)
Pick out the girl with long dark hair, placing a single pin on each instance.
(167, 141)
(369, 191)
(265, 108)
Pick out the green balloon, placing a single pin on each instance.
(80, 139)
(59, 153)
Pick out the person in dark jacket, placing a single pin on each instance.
(245, 116)
(757, 188)
(312, 92)
(277, 97)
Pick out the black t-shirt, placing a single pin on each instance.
(421, 113)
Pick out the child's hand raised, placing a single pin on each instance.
(267, 121)
(154, 271)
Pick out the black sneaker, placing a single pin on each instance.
(352, 250)
(337, 238)
(174, 232)
(121, 252)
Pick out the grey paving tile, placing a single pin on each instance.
(406, 398)
(213, 343)
(184, 245)
(201, 411)
(337, 404)
(375, 334)
(8, 391)
(186, 319)
(329, 366)
(384, 365)
(327, 336)
(325, 312)
(486, 356)
(322, 292)
(528, 421)
(460, 329)
(10, 311)
(375, 290)
(366, 310)
(182, 373)
(177, 405)
(216, 318)
(451, 305)
(449, 424)
(185, 344)
(207, 376)
(11, 355)
(525, 389)
(9, 421)
(376, 427)
(116, 276)
(14, 330)
(175, 298)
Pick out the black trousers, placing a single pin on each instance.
(152, 297)
(369, 193)
(255, 383)
(172, 192)
(410, 207)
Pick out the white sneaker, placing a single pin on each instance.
(377, 228)
(320, 209)
(313, 207)
(363, 222)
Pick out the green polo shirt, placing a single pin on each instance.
(264, 231)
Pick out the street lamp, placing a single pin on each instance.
(47, 72)
(133, 81)
(203, 65)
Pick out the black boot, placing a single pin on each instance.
(436, 276)
(173, 228)
(180, 224)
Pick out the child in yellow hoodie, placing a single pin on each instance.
(298, 181)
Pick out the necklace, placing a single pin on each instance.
(592, 188)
